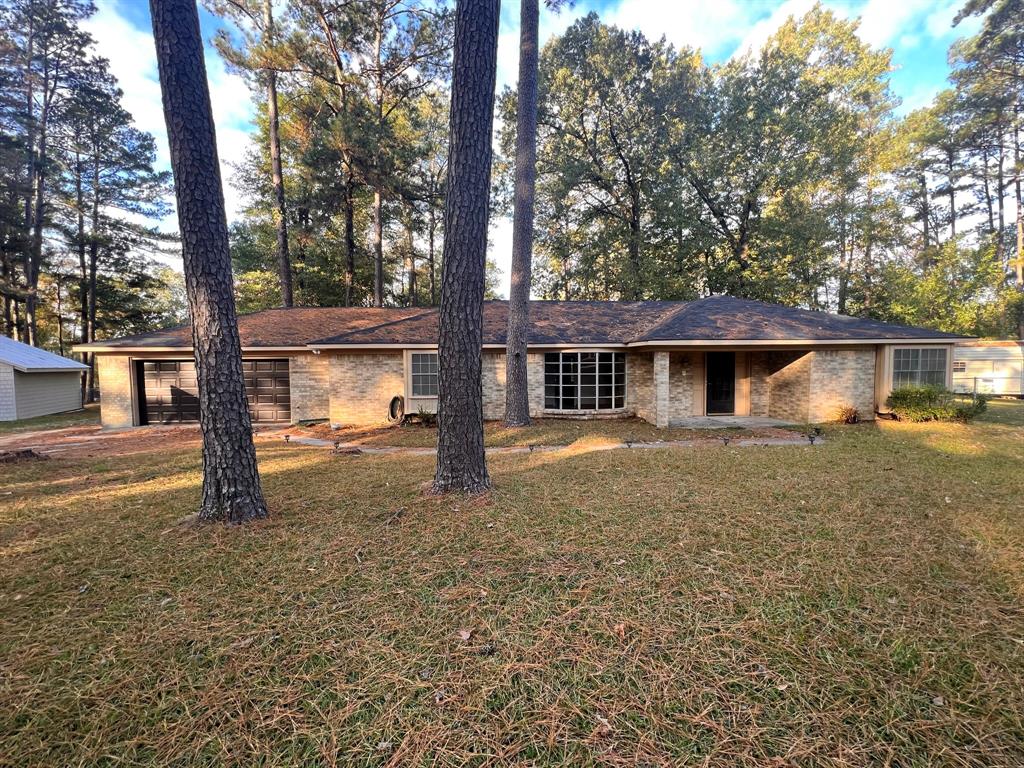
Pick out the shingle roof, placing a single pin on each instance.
(727, 318)
(293, 327)
(34, 360)
(716, 318)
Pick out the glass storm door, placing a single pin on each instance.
(721, 383)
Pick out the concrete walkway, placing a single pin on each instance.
(746, 442)
(725, 422)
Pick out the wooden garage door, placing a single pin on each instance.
(170, 392)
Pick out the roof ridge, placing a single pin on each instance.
(668, 317)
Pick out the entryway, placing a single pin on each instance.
(721, 383)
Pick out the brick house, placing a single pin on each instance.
(663, 361)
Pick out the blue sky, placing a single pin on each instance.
(918, 31)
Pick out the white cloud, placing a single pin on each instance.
(132, 57)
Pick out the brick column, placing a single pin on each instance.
(661, 389)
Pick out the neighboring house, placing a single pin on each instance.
(989, 367)
(34, 382)
(664, 361)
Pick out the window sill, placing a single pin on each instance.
(603, 413)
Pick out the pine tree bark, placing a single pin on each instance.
(517, 391)
(277, 176)
(461, 464)
(231, 483)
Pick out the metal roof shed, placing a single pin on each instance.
(34, 382)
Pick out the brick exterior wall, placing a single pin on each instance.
(811, 386)
(842, 377)
(114, 374)
(640, 384)
(310, 386)
(8, 411)
(362, 385)
(682, 369)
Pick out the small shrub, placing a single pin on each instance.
(971, 409)
(425, 418)
(847, 414)
(931, 403)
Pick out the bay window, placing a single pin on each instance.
(584, 381)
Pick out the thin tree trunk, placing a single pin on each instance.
(1019, 266)
(1001, 203)
(231, 482)
(926, 213)
(410, 259)
(284, 264)
(378, 249)
(35, 251)
(93, 263)
(517, 390)
(844, 263)
(461, 464)
(987, 188)
(952, 195)
(83, 269)
(431, 231)
(350, 242)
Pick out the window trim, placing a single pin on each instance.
(597, 397)
(411, 376)
(946, 370)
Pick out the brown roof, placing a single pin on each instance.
(295, 327)
(728, 318)
(716, 318)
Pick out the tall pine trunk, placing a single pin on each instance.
(378, 249)
(284, 264)
(461, 464)
(231, 482)
(517, 391)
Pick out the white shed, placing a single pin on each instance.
(34, 382)
(990, 367)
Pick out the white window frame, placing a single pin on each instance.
(579, 381)
(413, 374)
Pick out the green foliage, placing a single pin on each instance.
(932, 403)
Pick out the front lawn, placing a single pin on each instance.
(540, 432)
(88, 415)
(849, 604)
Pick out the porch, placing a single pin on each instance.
(750, 387)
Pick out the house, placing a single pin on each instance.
(34, 382)
(664, 361)
(989, 367)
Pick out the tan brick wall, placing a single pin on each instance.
(114, 374)
(810, 386)
(492, 380)
(362, 385)
(842, 377)
(682, 371)
(789, 386)
(310, 386)
(640, 384)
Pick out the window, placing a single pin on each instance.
(959, 366)
(913, 367)
(584, 381)
(424, 374)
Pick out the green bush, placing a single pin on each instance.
(931, 403)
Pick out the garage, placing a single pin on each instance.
(169, 391)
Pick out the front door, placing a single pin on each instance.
(721, 383)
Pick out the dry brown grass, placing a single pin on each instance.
(852, 604)
(540, 432)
